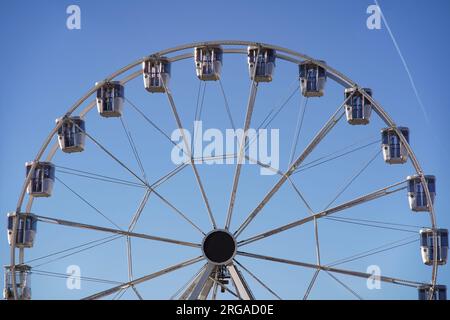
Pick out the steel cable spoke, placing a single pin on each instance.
(68, 249)
(353, 178)
(298, 129)
(66, 276)
(96, 176)
(153, 124)
(338, 219)
(258, 280)
(344, 285)
(88, 203)
(380, 249)
(227, 105)
(186, 284)
(133, 148)
(318, 161)
(78, 251)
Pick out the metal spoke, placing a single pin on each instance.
(96, 242)
(66, 276)
(91, 175)
(311, 284)
(187, 286)
(107, 240)
(332, 156)
(139, 210)
(133, 184)
(273, 114)
(319, 137)
(344, 285)
(143, 279)
(138, 295)
(237, 172)
(87, 202)
(349, 221)
(380, 249)
(258, 280)
(215, 290)
(368, 197)
(415, 227)
(318, 260)
(298, 129)
(224, 287)
(197, 104)
(311, 212)
(129, 259)
(206, 289)
(242, 288)
(119, 294)
(172, 142)
(194, 167)
(198, 110)
(227, 105)
(111, 155)
(153, 124)
(202, 282)
(179, 212)
(358, 274)
(109, 230)
(145, 183)
(354, 177)
(133, 148)
(316, 237)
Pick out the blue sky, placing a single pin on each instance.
(47, 67)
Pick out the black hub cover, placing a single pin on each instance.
(219, 246)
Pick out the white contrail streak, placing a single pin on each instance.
(405, 65)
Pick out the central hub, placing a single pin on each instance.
(219, 247)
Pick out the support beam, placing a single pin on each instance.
(191, 286)
(339, 113)
(115, 231)
(186, 143)
(237, 173)
(206, 289)
(241, 285)
(202, 282)
(110, 291)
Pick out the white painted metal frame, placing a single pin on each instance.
(198, 289)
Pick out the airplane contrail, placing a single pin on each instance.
(405, 65)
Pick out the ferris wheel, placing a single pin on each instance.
(219, 246)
